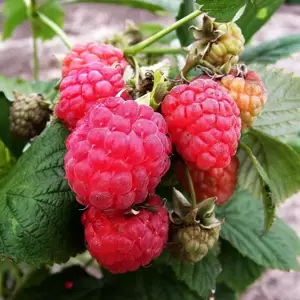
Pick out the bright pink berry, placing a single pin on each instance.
(82, 88)
(83, 54)
(203, 123)
(117, 154)
(123, 243)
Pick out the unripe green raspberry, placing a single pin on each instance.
(227, 47)
(192, 243)
(28, 115)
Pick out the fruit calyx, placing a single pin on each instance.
(202, 215)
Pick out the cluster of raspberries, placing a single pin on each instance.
(118, 151)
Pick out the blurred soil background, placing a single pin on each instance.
(95, 22)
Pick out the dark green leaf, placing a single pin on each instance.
(223, 292)
(222, 10)
(243, 228)
(54, 11)
(145, 284)
(199, 277)
(70, 284)
(155, 6)
(15, 13)
(280, 162)
(185, 36)
(40, 220)
(238, 271)
(280, 116)
(256, 14)
(270, 52)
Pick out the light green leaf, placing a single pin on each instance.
(15, 13)
(222, 10)
(40, 220)
(270, 52)
(6, 160)
(223, 292)
(199, 277)
(154, 6)
(279, 160)
(54, 11)
(243, 228)
(256, 14)
(238, 271)
(266, 188)
(280, 116)
(184, 35)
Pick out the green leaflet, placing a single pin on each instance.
(40, 220)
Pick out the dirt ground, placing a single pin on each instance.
(98, 21)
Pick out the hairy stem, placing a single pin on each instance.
(191, 186)
(140, 46)
(32, 11)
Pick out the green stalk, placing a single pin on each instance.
(191, 186)
(56, 29)
(160, 51)
(32, 10)
(140, 46)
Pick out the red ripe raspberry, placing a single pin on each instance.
(123, 243)
(117, 154)
(83, 54)
(203, 123)
(216, 182)
(82, 88)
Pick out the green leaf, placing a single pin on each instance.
(243, 228)
(71, 283)
(280, 116)
(223, 292)
(280, 162)
(40, 219)
(154, 6)
(238, 271)
(145, 284)
(15, 13)
(270, 52)
(54, 11)
(7, 85)
(6, 160)
(266, 188)
(184, 35)
(256, 14)
(199, 277)
(222, 10)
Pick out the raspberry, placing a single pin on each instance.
(248, 92)
(203, 123)
(227, 47)
(117, 154)
(82, 88)
(216, 182)
(28, 115)
(123, 243)
(191, 243)
(83, 54)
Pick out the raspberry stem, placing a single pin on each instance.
(140, 46)
(159, 51)
(191, 186)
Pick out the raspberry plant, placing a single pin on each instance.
(161, 154)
